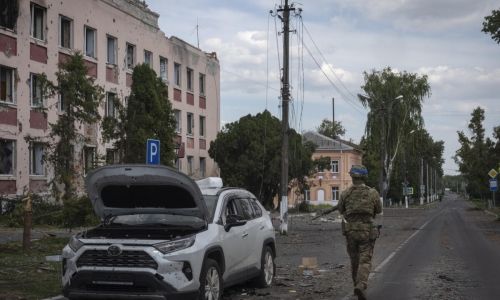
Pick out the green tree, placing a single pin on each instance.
(248, 153)
(492, 25)
(81, 99)
(148, 115)
(331, 129)
(398, 97)
(474, 157)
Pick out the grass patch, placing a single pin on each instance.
(26, 274)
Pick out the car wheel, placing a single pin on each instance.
(267, 269)
(211, 281)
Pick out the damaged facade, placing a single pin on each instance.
(114, 36)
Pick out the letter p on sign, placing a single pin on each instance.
(153, 152)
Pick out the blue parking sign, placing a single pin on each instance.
(493, 185)
(153, 152)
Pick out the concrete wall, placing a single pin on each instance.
(128, 21)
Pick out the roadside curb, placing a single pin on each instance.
(486, 211)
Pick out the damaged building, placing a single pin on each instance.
(114, 36)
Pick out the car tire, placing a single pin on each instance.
(211, 281)
(267, 269)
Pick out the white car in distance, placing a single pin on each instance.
(165, 236)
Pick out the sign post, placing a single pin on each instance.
(152, 152)
(493, 188)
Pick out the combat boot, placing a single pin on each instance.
(359, 291)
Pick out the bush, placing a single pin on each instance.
(76, 212)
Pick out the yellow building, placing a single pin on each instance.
(327, 185)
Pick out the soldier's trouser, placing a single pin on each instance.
(360, 249)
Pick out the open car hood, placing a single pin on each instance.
(143, 189)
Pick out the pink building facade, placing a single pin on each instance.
(114, 36)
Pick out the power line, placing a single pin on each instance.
(266, 86)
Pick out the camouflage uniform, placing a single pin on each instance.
(359, 204)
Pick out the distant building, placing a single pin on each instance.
(114, 36)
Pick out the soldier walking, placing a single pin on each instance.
(359, 204)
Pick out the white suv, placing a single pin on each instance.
(165, 236)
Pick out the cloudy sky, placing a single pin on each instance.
(439, 38)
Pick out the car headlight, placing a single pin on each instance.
(175, 245)
(75, 243)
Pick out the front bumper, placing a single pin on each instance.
(115, 285)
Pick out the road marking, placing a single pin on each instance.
(379, 267)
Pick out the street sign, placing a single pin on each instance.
(410, 191)
(493, 173)
(493, 185)
(153, 152)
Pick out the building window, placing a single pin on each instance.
(190, 123)
(7, 151)
(163, 69)
(335, 166)
(335, 193)
(36, 162)
(110, 105)
(111, 157)
(111, 53)
(130, 56)
(190, 166)
(9, 14)
(202, 167)
(202, 84)
(148, 60)
(307, 195)
(61, 104)
(36, 91)
(189, 79)
(88, 159)
(6, 84)
(65, 32)
(177, 116)
(89, 41)
(202, 126)
(178, 164)
(37, 22)
(177, 74)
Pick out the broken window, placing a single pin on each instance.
(202, 84)
(37, 21)
(110, 105)
(7, 157)
(190, 166)
(189, 79)
(61, 104)
(111, 156)
(8, 14)
(202, 126)
(178, 164)
(88, 158)
(130, 56)
(335, 193)
(177, 116)
(163, 69)
(335, 166)
(190, 123)
(65, 31)
(36, 91)
(202, 166)
(111, 56)
(6, 84)
(36, 159)
(177, 74)
(148, 58)
(90, 35)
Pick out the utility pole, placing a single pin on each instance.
(427, 187)
(285, 98)
(421, 180)
(333, 111)
(405, 177)
(382, 155)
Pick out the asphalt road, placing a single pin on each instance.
(447, 247)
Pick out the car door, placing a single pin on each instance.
(252, 227)
(234, 242)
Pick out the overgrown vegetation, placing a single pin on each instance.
(26, 274)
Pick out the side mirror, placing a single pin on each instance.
(234, 221)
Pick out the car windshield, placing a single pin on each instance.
(158, 220)
(211, 203)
